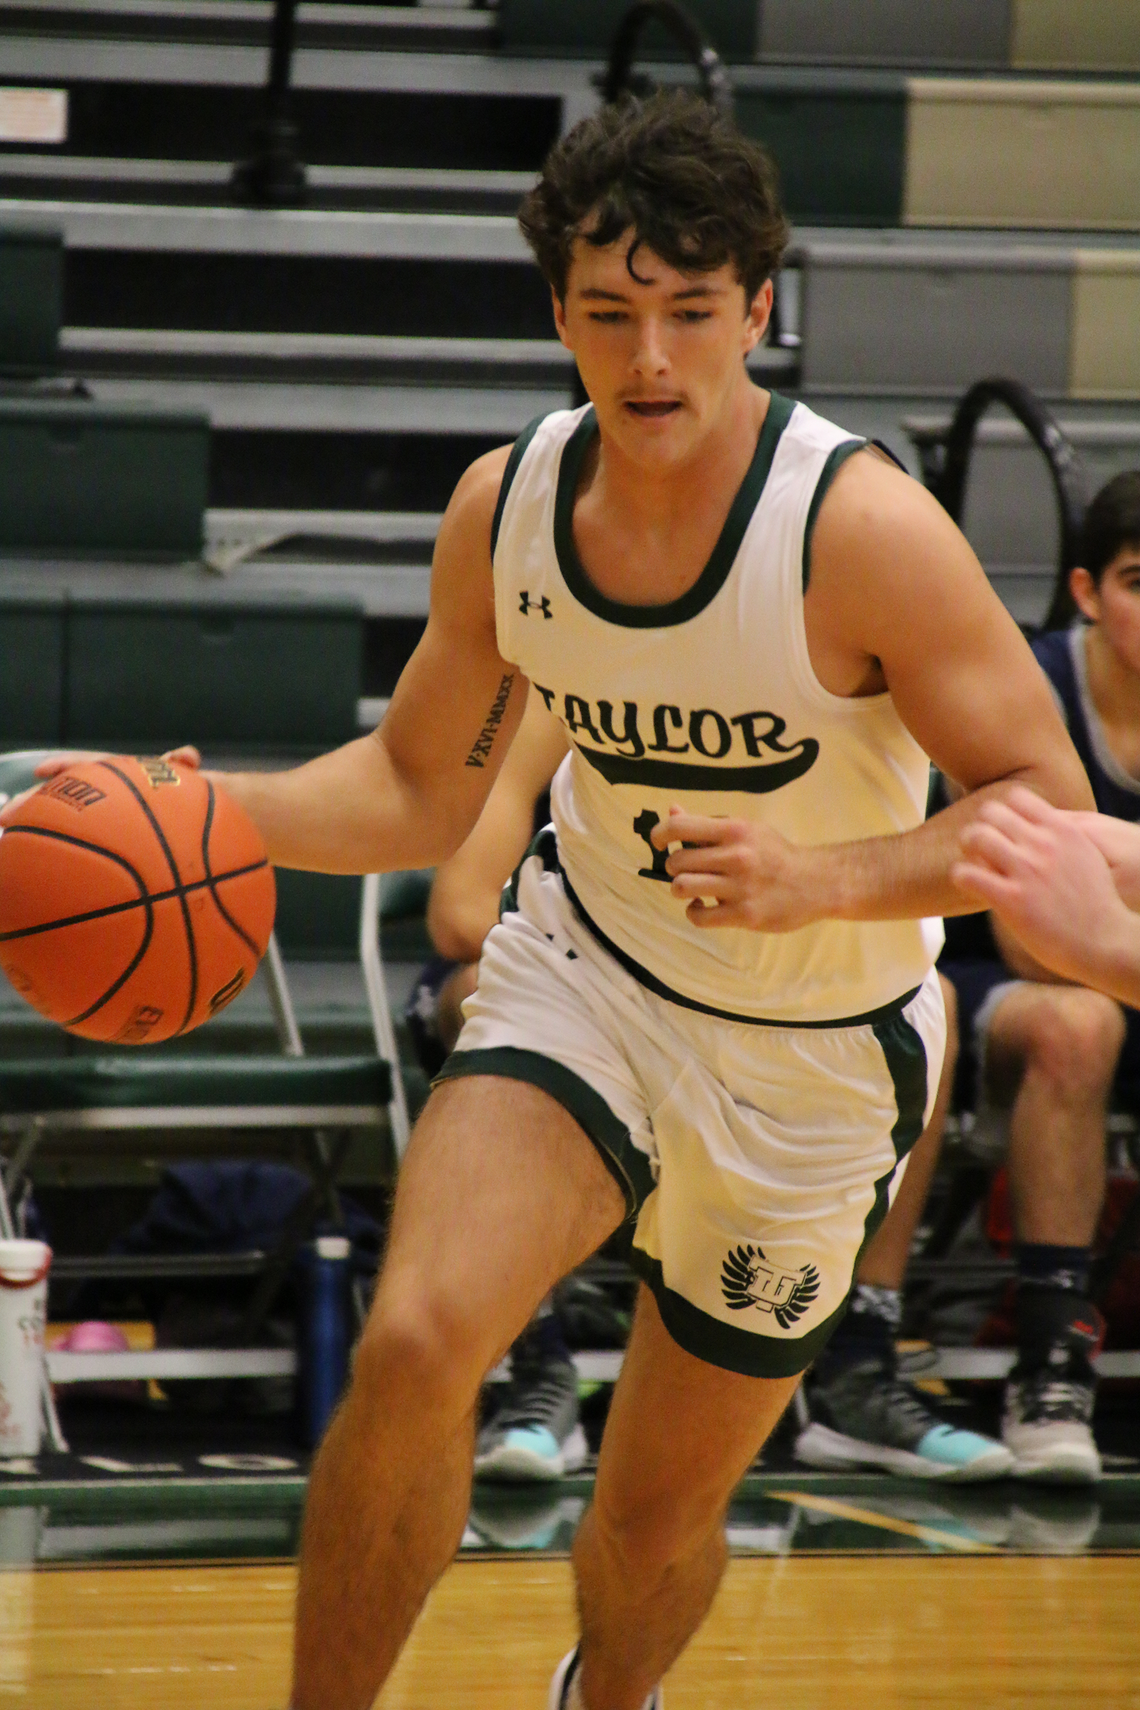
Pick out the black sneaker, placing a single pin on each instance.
(535, 1434)
(868, 1417)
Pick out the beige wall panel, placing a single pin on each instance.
(1105, 352)
(1075, 35)
(995, 152)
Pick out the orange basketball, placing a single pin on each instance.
(136, 900)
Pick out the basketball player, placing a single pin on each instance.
(1067, 885)
(709, 1006)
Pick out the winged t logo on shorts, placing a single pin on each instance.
(748, 1279)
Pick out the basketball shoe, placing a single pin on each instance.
(864, 1415)
(535, 1435)
(1047, 1418)
(563, 1693)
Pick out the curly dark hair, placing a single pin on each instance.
(675, 172)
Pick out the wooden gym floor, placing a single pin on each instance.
(843, 1594)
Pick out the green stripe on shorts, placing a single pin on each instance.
(628, 1165)
(720, 1344)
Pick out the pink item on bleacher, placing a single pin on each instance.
(94, 1336)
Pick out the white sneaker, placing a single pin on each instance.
(563, 1697)
(1046, 1428)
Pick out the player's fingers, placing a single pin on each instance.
(682, 827)
(187, 755)
(1015, 826)
(704, 858)
(1032, 806)
(705, 884)
(986, 844)
(717, 914)
(984, 884)
(57, 763)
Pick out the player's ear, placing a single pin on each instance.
(1086, 595)
(758, 316)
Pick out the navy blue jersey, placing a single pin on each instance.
(1061, 656)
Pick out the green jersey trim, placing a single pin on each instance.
(715, 573)
(518, 452)
(836, 459)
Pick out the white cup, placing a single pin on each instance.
(24, 1269)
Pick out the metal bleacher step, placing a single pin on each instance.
(28, 175)
(456, 28)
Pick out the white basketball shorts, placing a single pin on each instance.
(756, 1159)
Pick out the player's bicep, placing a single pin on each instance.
(458, 701)
(958, 669)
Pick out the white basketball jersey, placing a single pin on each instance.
(711, 702)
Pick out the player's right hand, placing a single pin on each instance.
(1119, 842)
(187, 755)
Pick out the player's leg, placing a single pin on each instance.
(651, 1550)
(500, 1193)
(862, 1412)
(1054, 1050)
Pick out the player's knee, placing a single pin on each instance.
(1075, 1041)
(649, 1538)
(418, 1353)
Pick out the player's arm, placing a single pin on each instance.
(464, 902)
(1051, 880)
(896, 601)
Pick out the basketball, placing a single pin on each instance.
(136, 900)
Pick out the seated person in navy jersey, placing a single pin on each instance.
(534, 1433)
(1052, 1056)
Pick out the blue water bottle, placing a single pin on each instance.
(326, 1269)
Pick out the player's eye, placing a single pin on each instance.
(607, 317)
(696, 314)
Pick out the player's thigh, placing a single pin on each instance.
(680, 1436)
(500, 1193)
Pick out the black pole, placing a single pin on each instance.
(949, 484)
(273, 177)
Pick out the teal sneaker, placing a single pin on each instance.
(864, 1415)
(535, 1435)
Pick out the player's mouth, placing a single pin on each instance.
(652, 409)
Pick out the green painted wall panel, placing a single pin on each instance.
(31, 674)
(31, 299)
(225, 675)
(77, 477)
(840, 155)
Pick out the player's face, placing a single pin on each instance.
(660, 353)
(1114, 605)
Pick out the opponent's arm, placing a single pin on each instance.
(896, 600)
(464, 902)
(1049, 880)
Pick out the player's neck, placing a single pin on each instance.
(657, 497)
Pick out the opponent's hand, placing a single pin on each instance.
(1040, 870)
(733, 872)
(1119, 842)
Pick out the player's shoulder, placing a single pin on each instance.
(873, 504)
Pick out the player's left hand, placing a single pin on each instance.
(733, 872)
(1042, 873)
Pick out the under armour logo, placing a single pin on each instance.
(526, 605)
